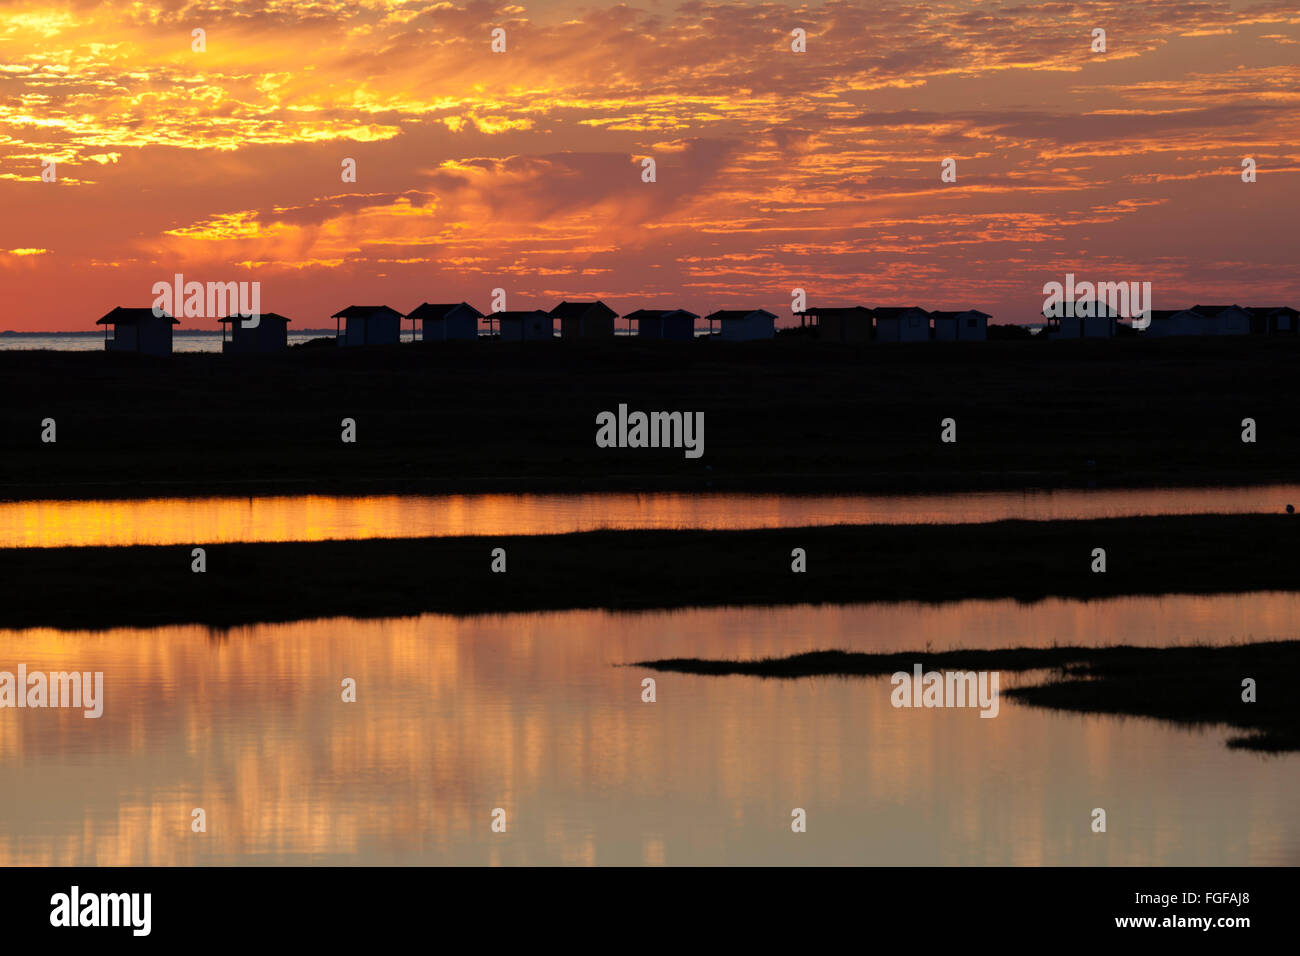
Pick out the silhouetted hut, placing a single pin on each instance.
(1274, 320)
(1167, 322)
(852, 324)
(585, 320)
(441, 323)
(972, 325)
(138, 330)
(1100, 324)
(535, 326)
(904, 324)
(742, 325)
(271, 334)
(676, 325)
(368, 325)
(1225, 319)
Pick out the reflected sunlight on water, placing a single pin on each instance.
(50, 524)
(456, 716)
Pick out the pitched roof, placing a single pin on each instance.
(524, 314)
(1272, 310)
(1100, 310)
(724, 314)
(849, 312)
(273, 316)
(124, 316)
(1210, 311)
(659, 314)
(574, 310)
(959, 313)
(891, 312)
(365, 312)
(432, 312)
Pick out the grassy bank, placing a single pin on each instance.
(793, 415)
(101, 587)
(1185, 685)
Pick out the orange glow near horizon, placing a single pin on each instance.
(521, 169)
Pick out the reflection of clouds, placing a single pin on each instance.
(190, 521)
(529, 713)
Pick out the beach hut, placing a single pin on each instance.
(585, 320)
(1224, 319)
(1170, 322)
(851, 324)
(535, 326)
(972, 325)
(368, 325)
(442, 323)
(137, 330)
(1098, 325)
(742, 325)
(271, 334)
(903, 324)
(676, 325)
(1274, 320)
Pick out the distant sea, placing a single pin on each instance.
(183, 340)
(186, 340)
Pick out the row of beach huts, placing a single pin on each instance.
(140, 330)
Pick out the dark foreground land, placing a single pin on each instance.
(244, 583)
(786, 415)
(1186, 685)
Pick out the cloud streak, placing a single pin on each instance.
(774, 169)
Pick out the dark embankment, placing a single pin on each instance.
(792, 414)
(99, 587)
(1186, 685)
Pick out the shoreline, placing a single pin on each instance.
(879, 484)
(1192, 686)
(101, 587)
(789, 416)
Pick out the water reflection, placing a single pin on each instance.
(456, 716)
(47, 524)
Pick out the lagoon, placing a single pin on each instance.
(212, 520)
(532, 713)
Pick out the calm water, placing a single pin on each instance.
(182, 341)
(322, 517)
(457, 716)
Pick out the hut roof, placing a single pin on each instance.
(896, 312)
(125, 316)
(430, 311)
(574, 310)
(724, 314)
(658, 314)
(521, 314)
(273, 316)
(366, 312)
(1210, 311)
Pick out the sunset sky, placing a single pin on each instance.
(522, 169)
